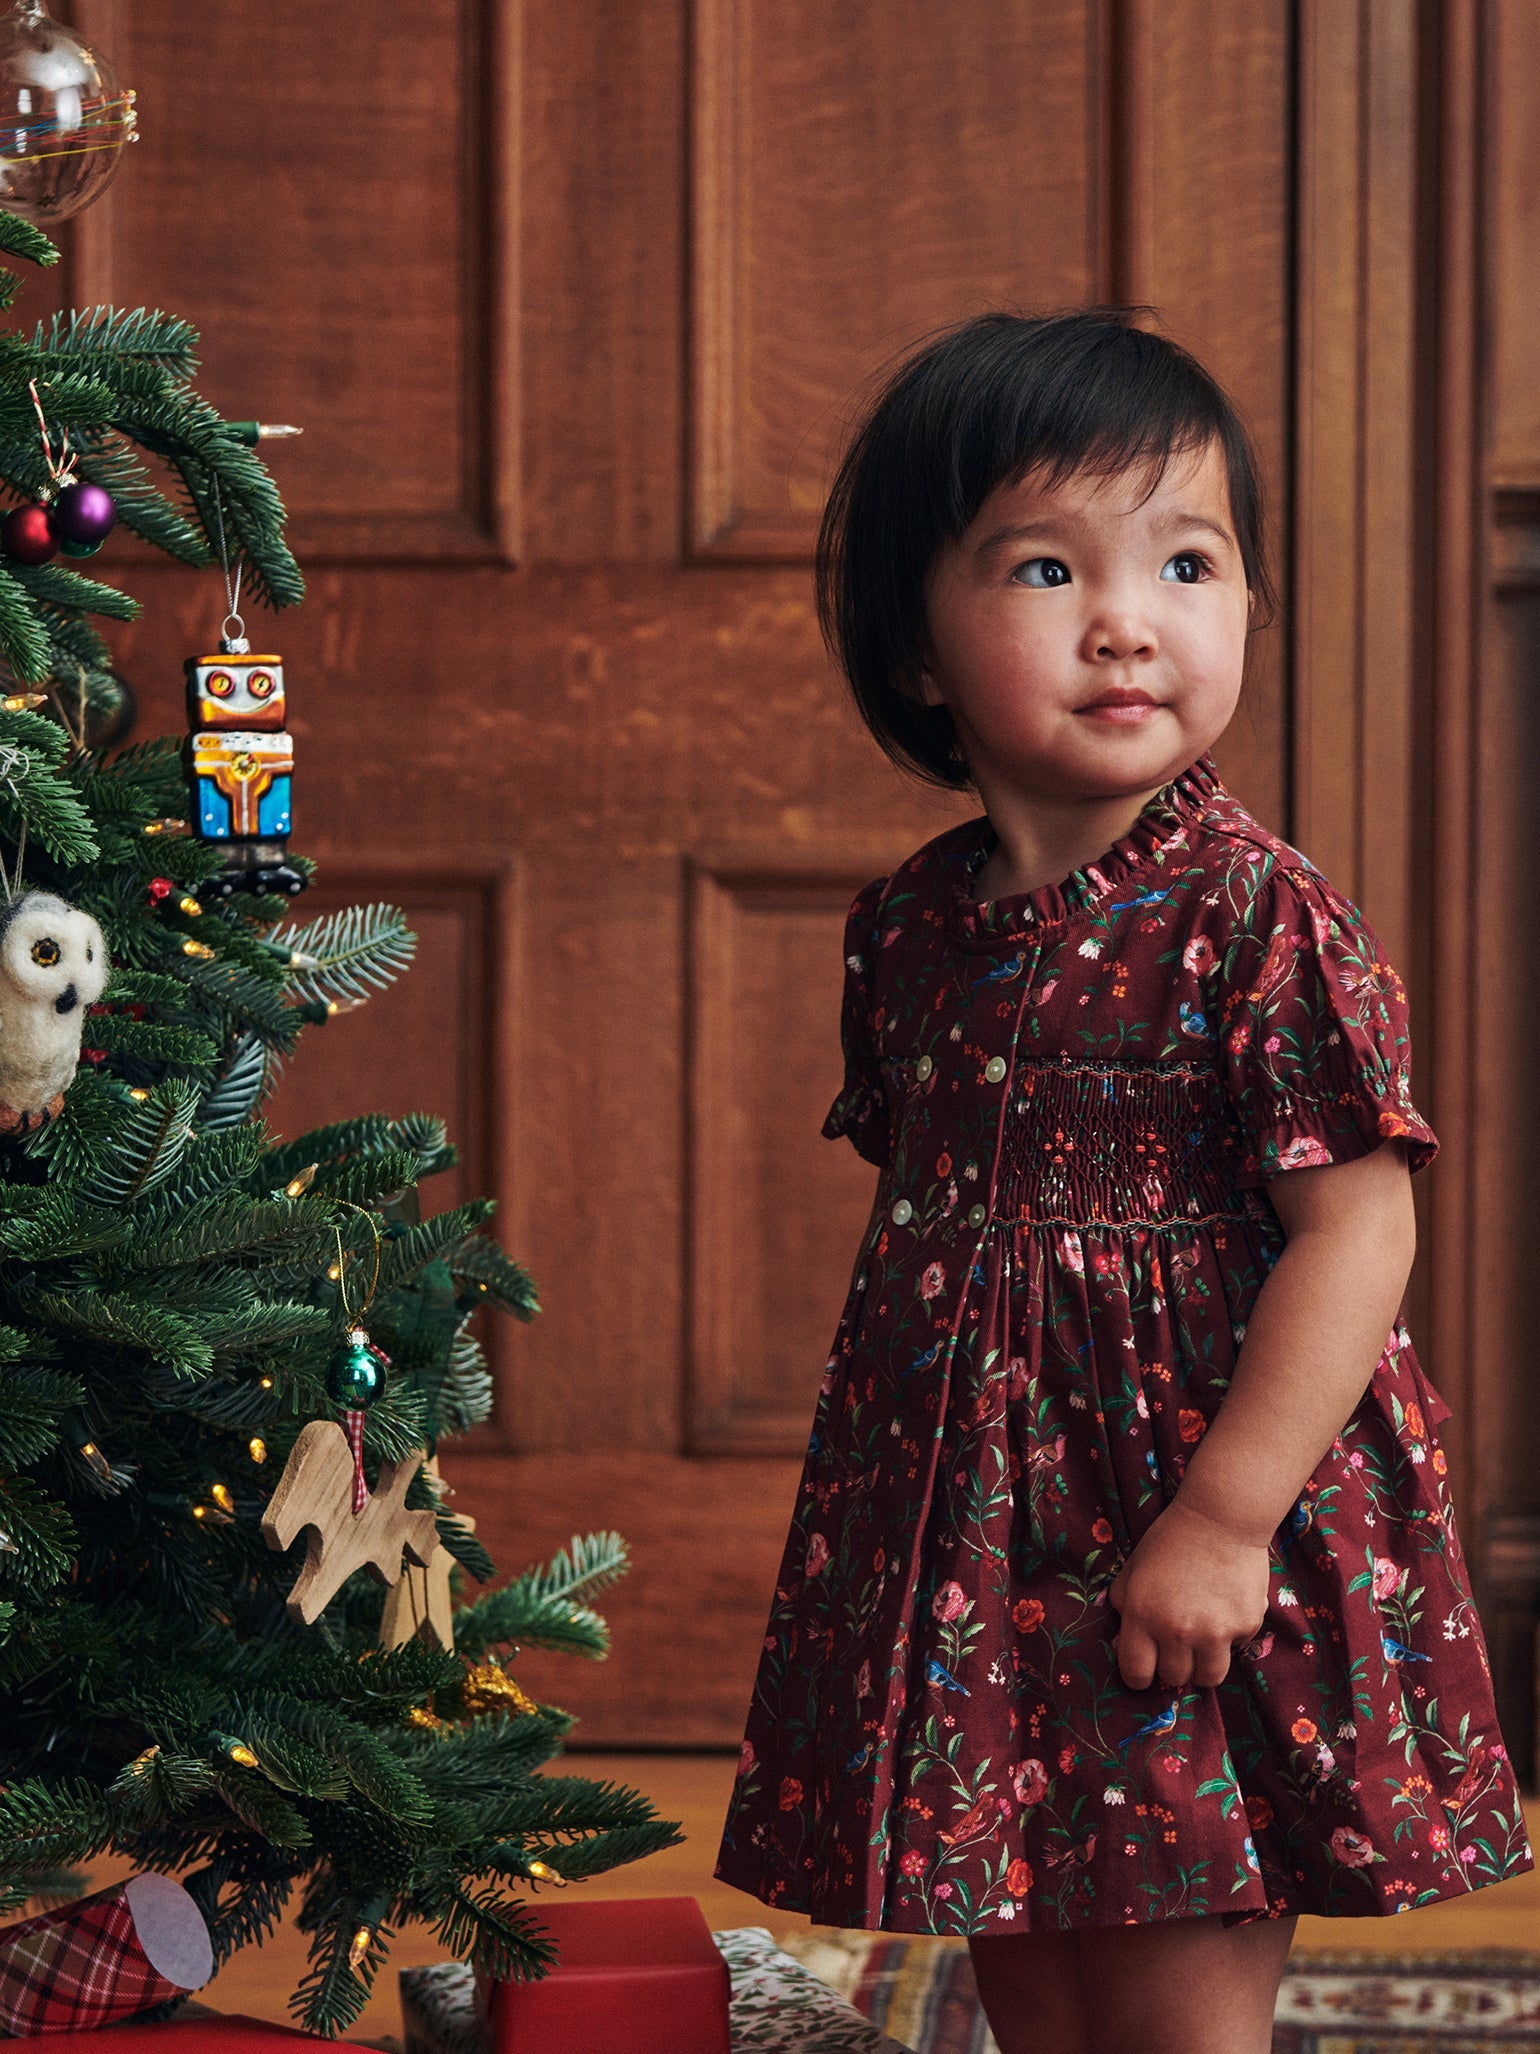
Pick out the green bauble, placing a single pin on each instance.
(355, 1376)
(81, 548)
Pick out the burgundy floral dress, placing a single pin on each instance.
(1076, 1097)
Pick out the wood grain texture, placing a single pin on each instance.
(773, 1225)
(1512, 239)
(827, 236)
(314, 1497)
(355, 275)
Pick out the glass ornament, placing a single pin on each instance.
(84, 516)
(63, 119)
(356, 1374)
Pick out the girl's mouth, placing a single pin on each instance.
(1121, 707)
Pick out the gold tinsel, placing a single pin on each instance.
(487, 1688)
(428, 1720)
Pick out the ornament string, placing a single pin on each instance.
(235, 644)
(61, 473)
(352, 1416)
(13, 759)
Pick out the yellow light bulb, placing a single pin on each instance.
(334, 1271)
(242, 1755)
(138, 1091)
(298, 1186)
(140, 1764)
(190, 907)
(24, 702)
(222, 1498)
(264, 1383)
(543, 1874)
(171, 827)
(256, 1447)
(98, 1461)
(199, 950)
(363, 1940)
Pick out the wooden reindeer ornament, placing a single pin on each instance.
(316, 1492)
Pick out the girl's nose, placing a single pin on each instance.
(1114, 634)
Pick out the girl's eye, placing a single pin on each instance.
(1188, 568)
(1041, 572)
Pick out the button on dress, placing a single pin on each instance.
(1076, 1097)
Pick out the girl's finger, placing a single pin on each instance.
(1137, 1656)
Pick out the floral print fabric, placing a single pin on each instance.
(1076, 1097)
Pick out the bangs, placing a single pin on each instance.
(983, 405)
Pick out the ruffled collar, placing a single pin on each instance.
(1171, 810)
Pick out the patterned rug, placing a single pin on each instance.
(1484, 2001)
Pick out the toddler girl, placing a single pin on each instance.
(1123, 1616)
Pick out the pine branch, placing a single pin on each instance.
(348, 955)
(146, 1147)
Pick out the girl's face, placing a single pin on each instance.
(1089, 637)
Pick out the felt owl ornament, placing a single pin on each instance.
(53, 964)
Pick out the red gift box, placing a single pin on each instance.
(640, 1973)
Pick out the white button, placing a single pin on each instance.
(902, 1213)
(977, 1214)
(994, 1069)
(923, 1068)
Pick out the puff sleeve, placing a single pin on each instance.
(1314, 1039)
(860, 1110)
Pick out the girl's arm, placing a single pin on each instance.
(1198, 1579)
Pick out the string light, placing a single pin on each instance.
(264, 1383)
(140, 1765)
(199, 950)
(138, 1091)
(358, 1953)
(256, 1447)
(213, 1515)
(241, 1755)
(298, 1186)
(334, 1272)
(24, 702)
(98, 1461)
(7, 1545)
(222, 1498)
(190, 907)
(169, 827)
(541, 1872)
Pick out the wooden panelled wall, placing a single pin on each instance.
(573, 303)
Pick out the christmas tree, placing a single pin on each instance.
(175, 1285)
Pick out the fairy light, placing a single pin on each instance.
(334, 1272)
(242, 1755)
(542, 1872)
(264, 1383)
(152, 828)
(199, 950)
(140, 1765)
(222, 1498)
(7, 1545)
(358, 1953)
(138, 1092)
(24, 702)
(213, 1515)
(98, 1461)
(190, 907)
(256, 1448)
(299, 1185)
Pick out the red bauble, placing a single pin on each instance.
(29, 535)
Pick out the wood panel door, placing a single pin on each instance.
(572, 304)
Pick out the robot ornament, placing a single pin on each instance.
(53, 964)
(240, 763)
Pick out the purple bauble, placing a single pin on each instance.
(84, 513)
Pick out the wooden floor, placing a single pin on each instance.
(694, 1790)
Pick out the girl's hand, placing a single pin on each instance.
(1189, 1590)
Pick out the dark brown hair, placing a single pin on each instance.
(982, 404)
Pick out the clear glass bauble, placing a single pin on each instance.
(63, 119)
